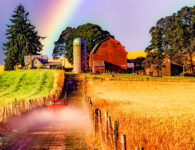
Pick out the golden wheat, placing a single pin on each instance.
(155, 115)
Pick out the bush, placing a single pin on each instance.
(185, 74)
(59, 67)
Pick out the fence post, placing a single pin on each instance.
(4, 113)
(12, 106)
(15, 107)
(123, 142)
(44, 100)
(100, 129)
(116, 124)
(110, 130)
(29, 104)
(96, 122)
(19, 107)
(106, 127)
(139, 148)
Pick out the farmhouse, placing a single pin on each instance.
(42, 61)
(108, 55)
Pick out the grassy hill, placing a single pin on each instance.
(25, 84)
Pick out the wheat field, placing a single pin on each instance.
(155, 115)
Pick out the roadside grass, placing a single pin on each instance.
(155, 115)
(133, 77)
(25, 84)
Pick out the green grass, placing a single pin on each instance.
(25, 84)
(133, 77)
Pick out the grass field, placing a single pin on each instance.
(155, 115)
(25, 84)
(1, 68)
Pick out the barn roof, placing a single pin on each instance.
(52, 63)
(98, 45)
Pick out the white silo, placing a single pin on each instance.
(79, 55)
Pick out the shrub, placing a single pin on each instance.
(59, 67)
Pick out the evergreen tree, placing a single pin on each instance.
(91, 33)
(22, 38)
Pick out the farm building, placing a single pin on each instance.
(64, 61)
(42, 61)
(108, 55)
(170, 69)
(39, 61)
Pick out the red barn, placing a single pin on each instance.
(108, 55)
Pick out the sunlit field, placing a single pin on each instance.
(155, 115)
(26, 84)
(1, 68)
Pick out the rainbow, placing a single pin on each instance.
(54, 20)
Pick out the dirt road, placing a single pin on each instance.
(42, 130)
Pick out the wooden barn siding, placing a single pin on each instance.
(99, 69)
(169, 70)
(110, 52)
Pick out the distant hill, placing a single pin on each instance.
(136, 54)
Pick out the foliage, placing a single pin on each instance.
(173, 37)
(59, 67)
(155, 51)
(139, 63)
(91, 33)
(185, 74)
(22, 39)
(25, 84)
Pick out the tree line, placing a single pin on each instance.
(173, 37)
(91, 33)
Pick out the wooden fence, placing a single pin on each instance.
(18, 107)
(105, 131)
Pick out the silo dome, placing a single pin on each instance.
(77, 41)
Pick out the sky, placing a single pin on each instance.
(128, 20)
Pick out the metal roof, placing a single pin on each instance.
(52, 63)
(98, 45)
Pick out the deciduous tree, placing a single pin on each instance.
(91, 33)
